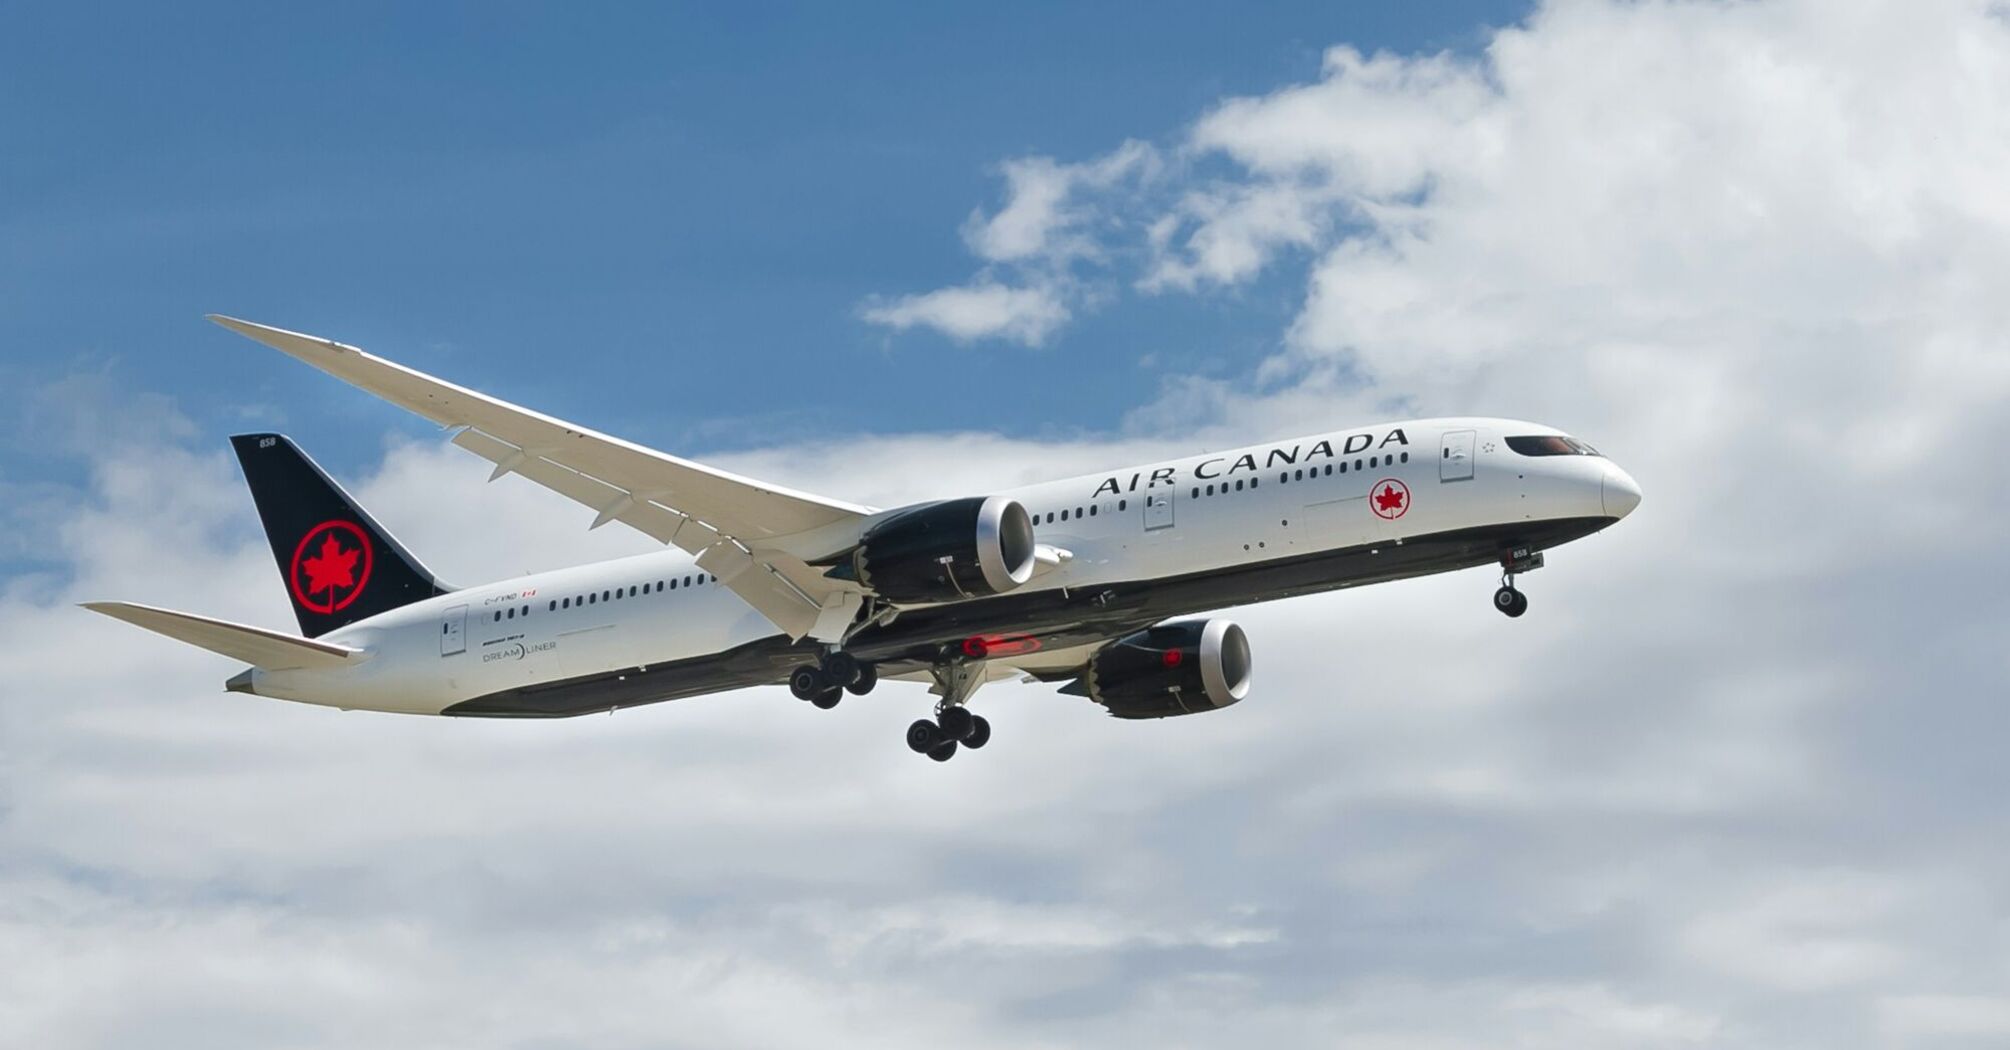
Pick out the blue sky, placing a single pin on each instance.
(661, 224)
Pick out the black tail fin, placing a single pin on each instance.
(340, 566)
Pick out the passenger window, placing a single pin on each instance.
(1283, 477)
(1092, 510)
(631, 590)
(687, 581)
(1357, 464)
(673, 585)
(1210, 490)
(553, 607)
(1196, 492)
(1078, 512)
(510, 613)
(1238, 486)
(498, 615)
(1064, 515)
(1406, 457)
(1123, 503)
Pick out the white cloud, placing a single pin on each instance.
(1908, 1019)
(1053, 218)
(979, 311)
(1043, 217)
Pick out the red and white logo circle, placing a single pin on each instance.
(1389, 499)
(330, 566)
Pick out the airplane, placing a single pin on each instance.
(1096, 583)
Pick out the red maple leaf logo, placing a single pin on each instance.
(1388, 499)
(332, 568)
(329, 572)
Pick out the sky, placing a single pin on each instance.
(1735, 781)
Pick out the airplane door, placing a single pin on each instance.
(1158, 510)
(454, 631)
(1455, 458)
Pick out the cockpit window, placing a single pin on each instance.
(1550, 445)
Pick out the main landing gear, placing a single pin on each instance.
(1509, 601)
(954, 725)
(836, 674)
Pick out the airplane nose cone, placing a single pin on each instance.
(1620, 492)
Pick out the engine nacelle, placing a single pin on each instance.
(943, 552)
(1179, 668)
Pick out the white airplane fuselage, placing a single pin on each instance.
(1176, 537)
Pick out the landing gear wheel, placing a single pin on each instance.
(1510, 602)
(980, 733)
(828, 698)
(921, 736)
(868, 676)
(807, 683)
(944, 751)
(842, 668)
(955, 722)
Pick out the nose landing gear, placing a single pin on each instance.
(1507, 599)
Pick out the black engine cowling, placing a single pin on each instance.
(960, 548)
(1179, 668)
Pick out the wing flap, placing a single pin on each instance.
(267, 649)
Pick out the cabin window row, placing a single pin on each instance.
(1372, 462)
(1080, 512)
(610, 595)
(1224, 488)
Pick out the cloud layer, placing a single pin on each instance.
(1735, 780)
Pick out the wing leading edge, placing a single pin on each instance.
(752, 535)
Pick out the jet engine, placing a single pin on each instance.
(1179, 668)
(942, 552)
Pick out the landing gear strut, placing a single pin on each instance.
(1507, 599)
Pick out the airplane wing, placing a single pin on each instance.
(752, 535)
(271, 650)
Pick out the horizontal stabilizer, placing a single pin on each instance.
(269, 650)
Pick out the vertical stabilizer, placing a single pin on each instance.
(339, 565)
